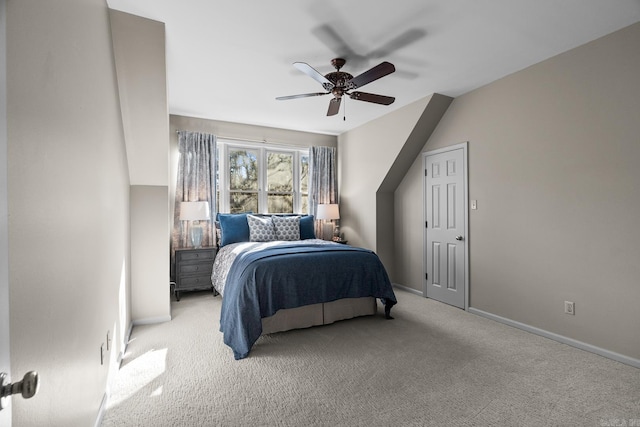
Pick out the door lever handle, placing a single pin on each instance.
(28, 387)
(459, 238)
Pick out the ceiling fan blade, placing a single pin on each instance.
(336, 44)
(330, 37)
(334, 106)
(302, 95)
(408, 37)
(311, 72)
(372, 97)
(371, 75)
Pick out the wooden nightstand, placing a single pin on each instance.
(193, 270)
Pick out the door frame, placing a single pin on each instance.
(425, 251)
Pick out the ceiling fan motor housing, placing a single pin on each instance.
(339, 80)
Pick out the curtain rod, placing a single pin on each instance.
(261, 141)
(264, 141)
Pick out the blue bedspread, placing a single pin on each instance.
(262, 282)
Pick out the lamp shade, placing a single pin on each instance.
(194, 211)
(328, 211)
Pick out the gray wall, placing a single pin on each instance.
(553, 163)
(249, 132)
(68, 201)
(139, 51)
(367, 154)
(150, 301)
(375, 157)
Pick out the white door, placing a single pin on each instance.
(446, 225)
(5, 414)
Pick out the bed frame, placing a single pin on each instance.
(318, 314)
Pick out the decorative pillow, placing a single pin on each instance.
(307, 227)
(287, 227)
(261, 229)
(234, 228)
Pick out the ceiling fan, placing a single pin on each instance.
(339, 83)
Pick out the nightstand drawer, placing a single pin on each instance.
(199, 268)
(195, 282)
(193, 255)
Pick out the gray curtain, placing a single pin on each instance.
(323, 187)
(196, 183)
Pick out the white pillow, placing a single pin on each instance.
(287, 227)
(261, 229)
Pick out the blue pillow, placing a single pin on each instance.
(307, 227)
(234, 228)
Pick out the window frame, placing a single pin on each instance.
(263, 150)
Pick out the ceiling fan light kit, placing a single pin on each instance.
(339, 83)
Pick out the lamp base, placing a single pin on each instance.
(196, 236)
(327, 231)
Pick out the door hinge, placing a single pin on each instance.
(426, 276)
(426, 224)
(425, 173)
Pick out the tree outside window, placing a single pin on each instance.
(243, 181)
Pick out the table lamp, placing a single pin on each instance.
(196, 212)
(327, 212)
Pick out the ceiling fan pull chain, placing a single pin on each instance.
(344, 111)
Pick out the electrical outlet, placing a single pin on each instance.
(570, 307)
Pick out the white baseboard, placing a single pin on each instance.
(101, 411)
(560, 338)
(556, 337)
(151, 320)
(411, 290)
(123, 348)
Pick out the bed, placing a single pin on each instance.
(276, 285)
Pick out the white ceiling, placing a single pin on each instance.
(229, 60)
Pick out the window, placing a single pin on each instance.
(243, 180)
(304, 182)
(280, 182)
(261, 178)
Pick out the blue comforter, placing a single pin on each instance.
(259, 283)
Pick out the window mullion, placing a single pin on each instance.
(262, 181)
(296, 182)
(225, 177)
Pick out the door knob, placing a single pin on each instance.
(458, 237)
(28, 387)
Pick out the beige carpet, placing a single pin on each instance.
(433, 365)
